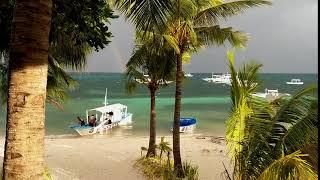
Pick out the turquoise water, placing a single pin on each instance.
(209, 103)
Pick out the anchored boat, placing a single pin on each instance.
(187, 74)
(187, 124)
(295, 82)
(146, 80)
(270, 94)
(105, 117)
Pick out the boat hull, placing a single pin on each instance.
(102, 127)
(187, 125)
(295, 83)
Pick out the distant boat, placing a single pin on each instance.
(146, 80)
(187, 74)
(295, 82)
(270, 94)
(107, 117)
(187, 125)
(219, 79)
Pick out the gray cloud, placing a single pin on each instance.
(284, 37)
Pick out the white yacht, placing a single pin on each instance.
(295, 81)
(106, 117)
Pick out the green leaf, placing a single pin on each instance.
(172, 42)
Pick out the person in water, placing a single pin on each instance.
(92, 121)
(82, 123)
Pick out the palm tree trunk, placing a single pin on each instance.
(152, 139)
(28, 66)
(176, 122)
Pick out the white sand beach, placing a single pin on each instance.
(103, 157)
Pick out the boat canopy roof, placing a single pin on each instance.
(295, 79)
(108, 108)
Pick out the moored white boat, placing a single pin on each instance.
(107, 117)
(187, 125)
(147, 80)
(295, 82)
(187, 74)
(270, 93)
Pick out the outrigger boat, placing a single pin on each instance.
(187, 125)
(107, 117)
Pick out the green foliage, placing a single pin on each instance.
(46, 174)
(289, 167)
(265, 138)
(153, 57)
(164, 147)
(156, 168)
(145, 14)
(76, 28)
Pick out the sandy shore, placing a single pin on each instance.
(103, 157)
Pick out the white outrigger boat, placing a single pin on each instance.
(105, 120)
(295, 82)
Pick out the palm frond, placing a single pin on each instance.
(211, 13)
(145, 14)
(291, 166)
(292, 114)
(214, 35)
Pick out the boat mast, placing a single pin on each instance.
(105, 97)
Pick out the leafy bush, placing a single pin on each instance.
(154, 168)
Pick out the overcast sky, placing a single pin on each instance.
(283, 37)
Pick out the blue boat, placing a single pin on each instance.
(187, 124)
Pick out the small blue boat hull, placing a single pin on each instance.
(187, 124)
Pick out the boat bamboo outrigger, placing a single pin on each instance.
(107, 117)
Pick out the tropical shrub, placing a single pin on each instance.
(270, 140)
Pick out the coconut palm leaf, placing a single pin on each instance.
(145, 14)
(242, 85)
(291, 166)
(294, 113)
(214, 35)
(212, 13)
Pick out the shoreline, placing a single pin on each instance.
(103, 157)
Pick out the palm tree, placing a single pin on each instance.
(188, 26)
(27, 90)
(33, 46)
(265, 138)
(159, 65)
(164, 147)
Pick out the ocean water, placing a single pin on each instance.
(208, 103)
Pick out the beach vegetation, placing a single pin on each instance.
(153, 65)
(270, 139)
(48, 37)
(187, 26)
(157, 168)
